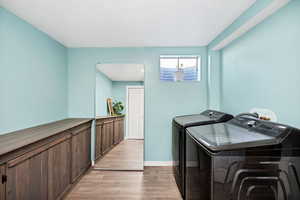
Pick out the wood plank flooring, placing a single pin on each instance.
(128, 155)
(153, 183)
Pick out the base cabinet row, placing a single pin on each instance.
(47, 172)
(109, 132)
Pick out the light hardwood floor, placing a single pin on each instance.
(155, 183)
(128, 155)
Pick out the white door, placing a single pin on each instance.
(135, 106)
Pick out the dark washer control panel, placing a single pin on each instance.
(260, 126)
(216, 115)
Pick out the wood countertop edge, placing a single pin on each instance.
(17, 139)
(108, 117)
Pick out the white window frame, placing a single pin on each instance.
(199, 65)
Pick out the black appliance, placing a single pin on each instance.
(243, 159)
(179, 125)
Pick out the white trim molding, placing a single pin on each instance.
(261, 16)
(158, 163)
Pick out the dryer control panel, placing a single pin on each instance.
(216, 115)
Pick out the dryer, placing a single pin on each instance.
(179, 125)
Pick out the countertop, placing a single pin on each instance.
(17, 139)
(107, 117)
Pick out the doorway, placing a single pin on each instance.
(119, 94)
(135, 112)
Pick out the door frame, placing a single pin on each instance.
(126, 114)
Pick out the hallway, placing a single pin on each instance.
(127, 155)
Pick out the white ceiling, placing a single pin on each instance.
(129, 23)
(122, 72)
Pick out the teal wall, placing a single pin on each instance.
(261, 69)
(214, 79)
(119, 90)
(106, 88)
(81, 74)
(103, 91)
(257, 7)
(33, 76)
(163, 100)
(215, 58)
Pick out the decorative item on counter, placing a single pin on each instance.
(265, 114)
(118, 107)
(110, 107)
(265, 118)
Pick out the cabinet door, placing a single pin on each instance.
(121, 130)
(59, 169)
(111, 134)
(2, 183)
(105, 138)
(27, 177)
(98, 142)
(81, 152)
(116, 131)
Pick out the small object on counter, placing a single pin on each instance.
(110, 107)
(265, 118)
(118, 107)
(265, 113)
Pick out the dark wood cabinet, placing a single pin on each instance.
(98, 139)
(43, 162)
(107, 136)
(121, 129)
(3, 182)
(105, 139)
(27, 176)
(59, 164)
(81, 152)
(109, 132)
(118, 130)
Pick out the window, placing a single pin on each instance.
(180, 68)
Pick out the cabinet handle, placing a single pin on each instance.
(4, 179)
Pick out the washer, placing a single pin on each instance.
(243, 159)
(179, 125)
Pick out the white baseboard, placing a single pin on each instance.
(158, 163)
(93, 162)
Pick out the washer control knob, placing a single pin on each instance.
(251, 123)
